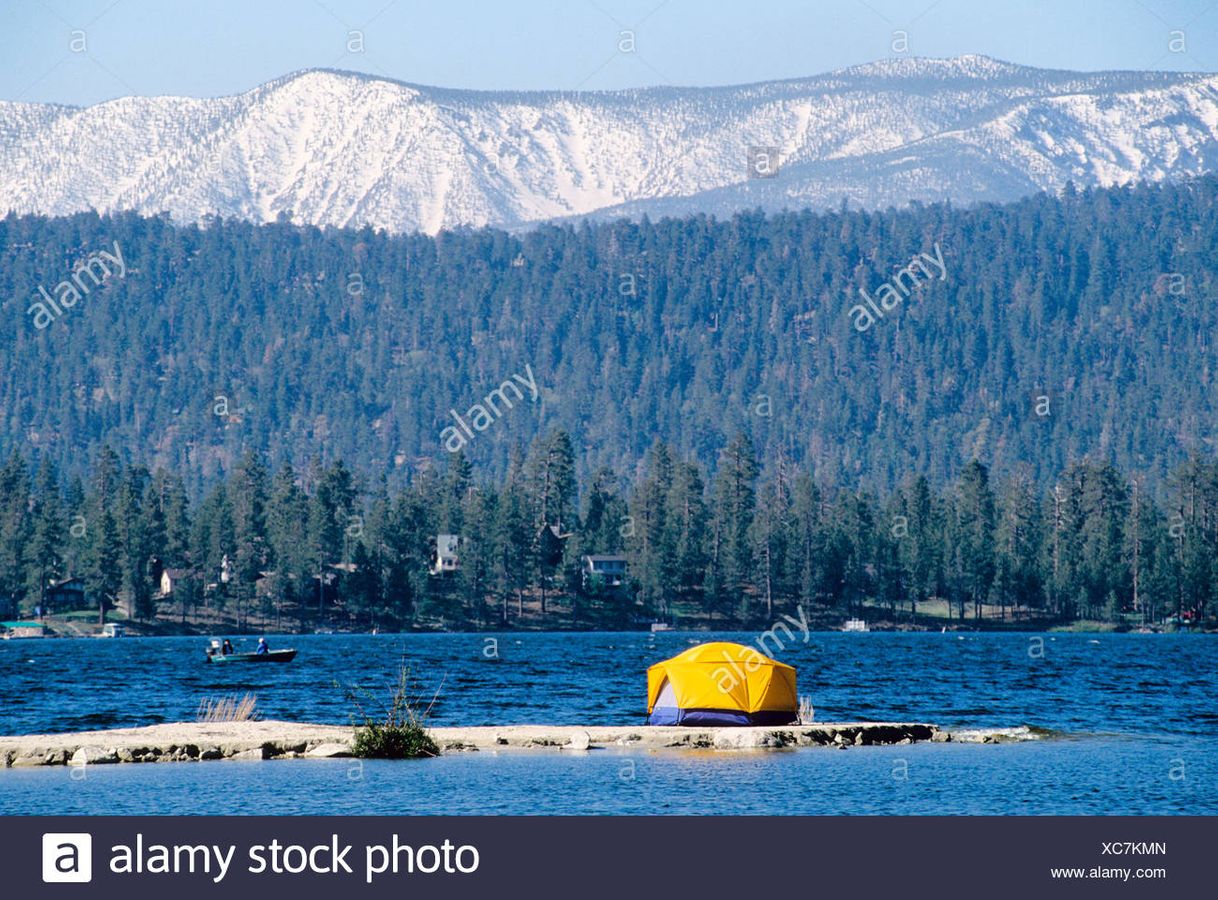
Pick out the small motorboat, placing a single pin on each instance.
(269, 656)
(216, 654)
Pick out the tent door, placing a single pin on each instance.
(667, 698)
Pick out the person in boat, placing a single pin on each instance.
(227, 648)
(263, 647)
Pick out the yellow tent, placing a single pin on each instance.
(721, 683)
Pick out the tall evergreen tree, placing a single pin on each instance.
(648, 537)
(287, 518)
(975, 520)
(331, 511)
(605, 514)
(48, 528)
(248, 498)
(686, 518)
(1019, 539)
(514, 538)
(14, 531)
(104, 573)
(137, 538)
(771, 537)
(734, 508)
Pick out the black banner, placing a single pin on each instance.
(185, 857)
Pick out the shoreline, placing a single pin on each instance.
(56, 630)
(203, 741)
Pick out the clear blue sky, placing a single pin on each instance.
(216, 47)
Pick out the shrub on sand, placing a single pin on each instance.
(400, 732)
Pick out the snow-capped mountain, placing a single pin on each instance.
(335, 148)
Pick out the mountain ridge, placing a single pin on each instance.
(328, 147)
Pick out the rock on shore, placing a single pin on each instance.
(191, 741)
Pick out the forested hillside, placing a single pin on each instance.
(740, 547)
(1060, 329)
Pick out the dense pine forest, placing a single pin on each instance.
(291, 426)
(1064, 328)
(757, 539)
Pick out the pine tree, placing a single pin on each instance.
(514, 539)
(177, 548)
(771, 538)
(687, 521)
(14, 531)
(406, 561)
(551, 475)
(213, 545)
(137, 541)
(552, 478)
(104, 573)
(923, 552)
(104, 578)
(1097, 503)
(605, 514)
(648, 537)
(975, 519)
(808, 556)
(457, 481)
(174, 509)
(287, 516)
(47, 533)
(331, 508)
(479, 553)
(1018, 579)
(854, 532)
(734, 508)
(248, 497)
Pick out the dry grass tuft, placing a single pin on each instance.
(807, 715)
(227, 709)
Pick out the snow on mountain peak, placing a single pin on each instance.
(973, 65)
(340, 148)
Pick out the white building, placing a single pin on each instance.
(445, 558)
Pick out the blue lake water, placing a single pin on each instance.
(1136, 718)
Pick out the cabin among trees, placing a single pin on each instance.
(173, 579)
(604, 571)
(445, 558)
(64, 594)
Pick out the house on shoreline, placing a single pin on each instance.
(604, 570)
(173, 579)
(66, 593)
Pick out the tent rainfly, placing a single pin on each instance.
(721, 683)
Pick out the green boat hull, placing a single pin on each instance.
(272, 656)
